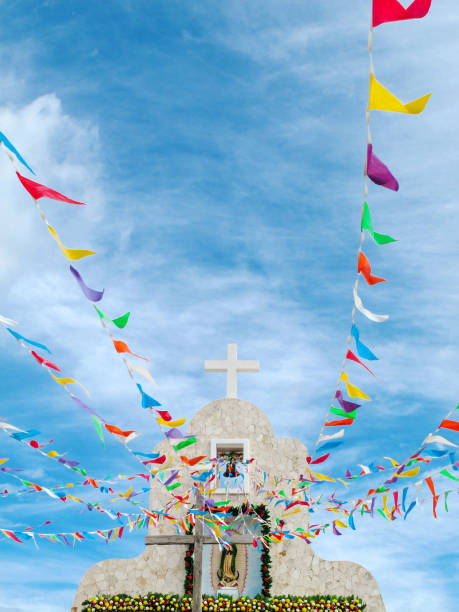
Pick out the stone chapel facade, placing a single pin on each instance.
(296, 569)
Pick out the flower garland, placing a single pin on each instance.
(290, 603)
(189, 566)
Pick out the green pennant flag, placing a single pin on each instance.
(367, 224)
(347, 415)
(98, 426)
(446, 500)
(120, 322)
(173, 486)
(448, 475)
(184, 443)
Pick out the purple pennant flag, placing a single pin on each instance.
(345, 404)
(67, 462)
(175, 434)
(378, 172)
(171, 478)
(79, 403)
(92, 294)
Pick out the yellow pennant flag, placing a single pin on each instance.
(292, 512)
(410, 473)
(339, 523)
(52, 454)
(382, 99)
(352, 390)
(176, 423)
(3, 461)
(385, 508)
(321, 476)
(394, 463)
(67, 381)
(71, 254)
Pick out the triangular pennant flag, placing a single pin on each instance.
(377, 318)
(378, 172)
(98, 426)
(382, 99)
(119, 432)
(72, 254)
(7, 322)
(368, 225)
(38, 191)
(44, 362)
(352, 390)
(122, 347)
(12, 148)
(32, 342)
(362, 350)
(364, 268)
(92, 294)
(350, 355)
(346, 405)
(140, 369)
(392, 10)
(120, 322)
(147, 400)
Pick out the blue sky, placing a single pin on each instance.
(220, 149)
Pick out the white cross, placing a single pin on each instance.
(232, 366)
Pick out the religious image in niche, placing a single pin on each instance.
(231, 469)
(227, 572)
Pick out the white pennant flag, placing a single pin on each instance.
(377, 318)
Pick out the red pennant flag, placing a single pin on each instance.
(363, 266)
(350, 355)
(453, 425)
(11, 535)
(164, 415)
(122, 347)
(44, 362)
(318, 460)
(119, 432)
(38, 191)
(391, 10)
(159, 460)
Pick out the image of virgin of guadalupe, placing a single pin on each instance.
(227, 573)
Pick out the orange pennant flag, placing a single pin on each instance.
(193, 461)
(122, 347)
(340, 422)
(364, 267)
(116, 430)
(431, 486)
(453, 425)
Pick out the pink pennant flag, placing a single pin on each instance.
(38, 191)
(391, 10)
